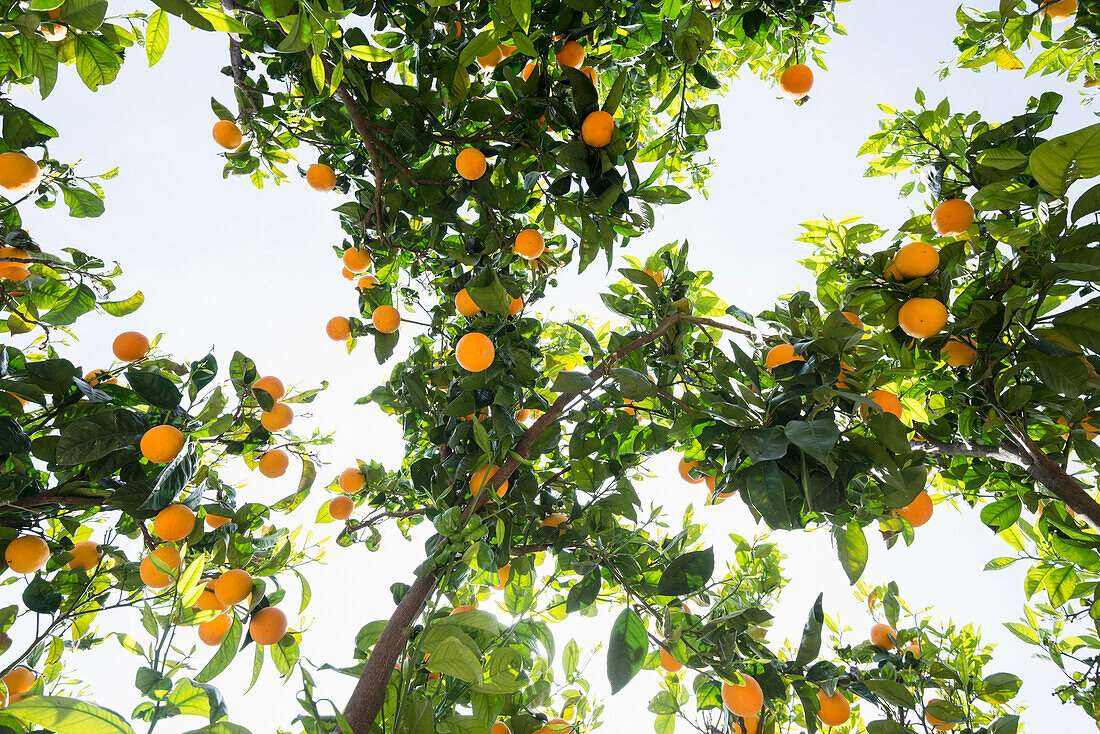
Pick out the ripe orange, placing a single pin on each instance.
(853, 319)
(475, 352)
(470, 164)
(592, 75)
(208, 600)
(657, 275)
(491, 59)
(523, 414)
(19, 680)
(936, 723)
(212, 631)
(100, 377)
(161, 444)
(18, 172)
(500, 728)
(233, 586)
(386, 319)
(13, 257)
(13, 273)
(340, 508)
(886, 401)
(833, 710)
(130, 346)
(884, 636)
(891, 272)
(745, 699)
(338, 329)
(598, 129)
(151, 576)
(273, 463)
(515, 306)
(917, 512)
(555, 520)
(917, 260)
(781, 354)
(796, 81)
(922, 317)
(670, 663)
(216, 521)
(914, 648)
(357, 259)
(352, 480)
(752, 723)
(685, 468)
(528, 71)
(268, 626)
(957, 353)
(321, 177)
(463, 608)
(273, 386)
(174, 522)
(227, 134)
(571, 54)
(556, 726)
(954, 216)
(85, 555)
(484, 474)
(530, 244)
(348, 275)
(26, 554)
(465, 304)
(503, 574)
(279, 417)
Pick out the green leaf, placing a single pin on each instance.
(765, 444)
(68, 716)
(155, 389)
(764, 491)
(81, 202)
(487, 292)
(521, 11)
(451, 652)
(40, 59)
(184, 10)
(172, 479)
(96, 63)
(1057, 163)
(891, 692)
(1060, 583)
(572, 382)
(584, 592)
(687, 573)
(85, 15)
(124, 307)
(156, 36)
(810, 646)
(1002, 514)
(97, 435)
(817, 438)
(219, 21)
(632, 384)
(225, 653)
(41, 597)
(999, 687)
(851, 548)
(626, 649)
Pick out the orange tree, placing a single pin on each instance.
(483, 148)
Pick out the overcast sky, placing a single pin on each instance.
(224, 264)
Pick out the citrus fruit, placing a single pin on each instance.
(555, 520)
(268, 626)
(130, 346)
(475, 352)
(212, 631)
(1058, 11)
(917, 512)
(937, 724)
(592, 74)
(352, 480)
(922, 317)
(500, 728)
(174, 522)
(523, 414)
(18, 172)
(465, 304)
(273, 386)
(321, 177)
(366, 282)
(279, 417)
(886, 401)
(348, 275)
(657, 275)
(208, 600)
(340, 508)
(745, 699)
(781, 354)
(503, 574)
(470, 164)
(464, 608)
(216, 521)
(161, 444)
(85, 555)
(273, 463)
(151, 575)
(19, 680)
(833, 710)
(515, 306)
(917, 260)
(796, 81)
(386, 319)
(233, 586)
(338, 329)
(26, 554)
(597, 129)
(484, 474)
(571, 54)
(528, 71)
(530, 244)
(853, 319)
(685, 468)
(954, 216)
(491, 59)
(227, 134)
(884, 636)
(356, 259)
(752, 723)
(957, 353)
(670, 663)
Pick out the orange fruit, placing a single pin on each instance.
(884, 636)
(598, 129)
(279, 417)
(922, 317)
(657, 275)
(174, 522)
(85, 555)
(571, 54)
(952, 217)
(161, 444)
(338, 329)
(685, 468)
(465, 304)
(18, 172)
(833, 710)
(130, 346)
(348, 275)
(743, 699)
(515, 306)
(957, 353)
(26, 554)
(273, 463)
(464, 608)
(12, 257)
(366, 283)
(796, 81)
(491, 59)
(936, 723)
(100, 377)
(273, 386)
(503, 574)
(917, 512)
(781, 354)
(475, 352)
(891, 272)
(455, 28)
(227, 134)
(321, 177)
(233, 586)
(523, 414)
(339, 508)
(752, 723)
(853, 319)
(352, 480)
(268, 626)
(886, 401)
(556, 726)
(555, 520)
(216, 521)
(356, 259)
(484, 474)
(151, 576)
(500, 728)
(212, 631)
(386, 319)
(19, 680)
(470, 164)
(917, 260)
(506, 50)
(528, 71)
(914, 648)
(208, 600)
(592, 74)
(670, 663)
(530, 244)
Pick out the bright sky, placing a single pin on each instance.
(224, 264)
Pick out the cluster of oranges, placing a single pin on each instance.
(885, 637)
